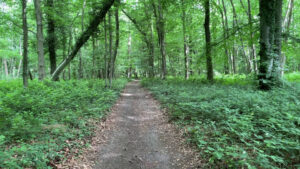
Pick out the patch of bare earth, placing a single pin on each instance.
(137, 135)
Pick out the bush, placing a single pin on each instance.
(37, 123)
(235, 126)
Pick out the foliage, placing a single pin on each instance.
(235, 126)
(38, 123)
(293, 77)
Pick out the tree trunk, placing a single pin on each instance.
(110, 48)
(158, 13)
(225, 34)
(5, 66)
(129, 56)
(25, 44)
(251, 43)
(40, 39)
(51, 37)
(69, 49)
(105, 53)
(185, 42)
(100, 14)
(94, 70)
(80, 67)
(209, 65)
(270, 43)
(117, 38)
(242, 49)
(286, 29)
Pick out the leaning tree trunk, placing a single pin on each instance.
(25, 43)
(209, 65)
(99, 16)
(40, 39)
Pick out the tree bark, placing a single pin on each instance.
(25, 43)
(270, 43)
(40, 39)
(117, 38)
(80, 67)
(286, 29)
(185, 42)
(251, 43)
(160, 26)
(105, 53)
(110, 48)
(51, 37)
(129, 55)
(225, 34)
(209, 65)
(5, 66)
(106, 5)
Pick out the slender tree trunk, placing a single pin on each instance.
(69, 48)
(151, 51)
(162, 39)
(158, 13)
(12, 67)
(185, 42)
(25, 44)
(229, 60)
(117, 38)
(19, 67)
(209, 65)
(80, 67)
(251, 43)
(226, 63)
(105, 53)
(94, 70)
(242, 49)
(234, 50)
(93, 26)
(51, 36)
(40, 39)
(5, 66)
(129, 56)
(64, 47)
(110, 48)
(286, 29)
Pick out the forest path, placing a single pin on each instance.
(138, 136)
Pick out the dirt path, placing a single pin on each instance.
(138, 136)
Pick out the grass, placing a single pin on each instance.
(235, 126)
(38, 125)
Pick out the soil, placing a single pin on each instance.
(137, 135)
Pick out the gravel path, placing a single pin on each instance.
(137, 135)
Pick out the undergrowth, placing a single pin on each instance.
(235, 126)
(40, 124)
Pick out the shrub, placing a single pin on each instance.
(235, 126)
(37, 123)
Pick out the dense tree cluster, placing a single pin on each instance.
(149, 38)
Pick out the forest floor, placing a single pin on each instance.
(137, 135)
